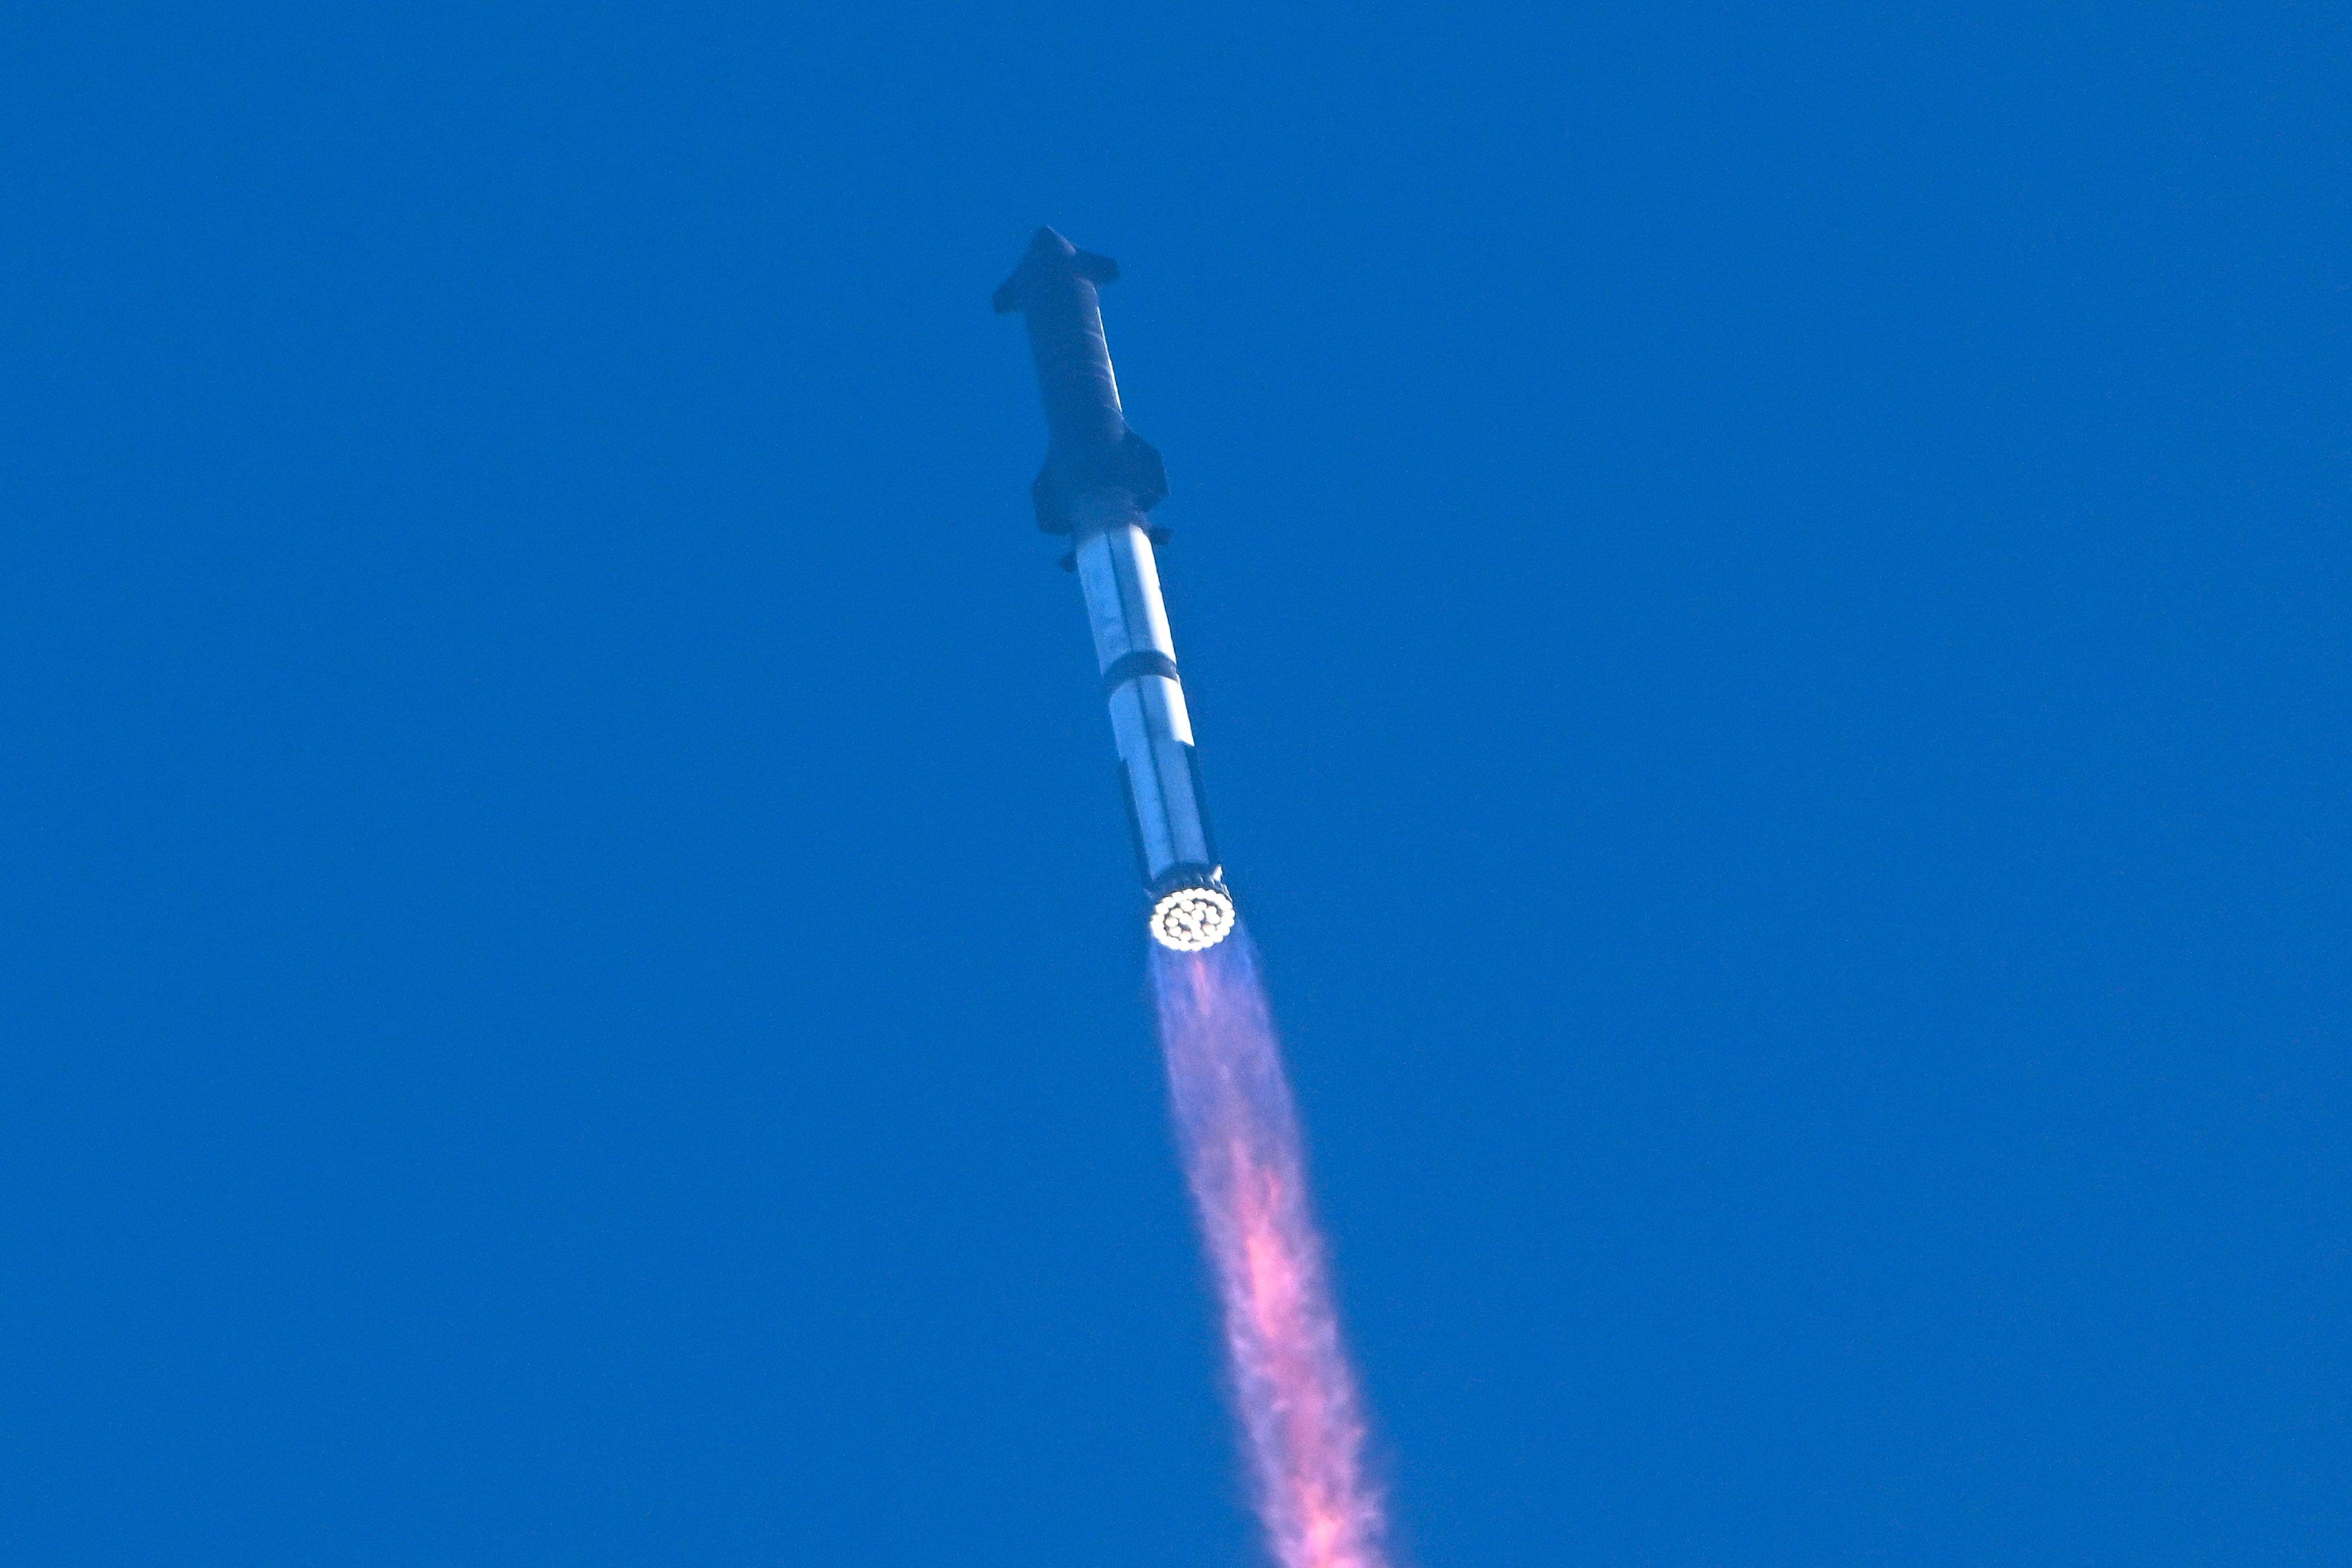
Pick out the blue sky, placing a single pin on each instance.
(1762, 590)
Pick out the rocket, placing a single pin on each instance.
(1098, 486)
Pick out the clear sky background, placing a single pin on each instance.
(1764, 589)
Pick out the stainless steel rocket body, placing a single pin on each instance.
(1149, 723)
(1099, 482)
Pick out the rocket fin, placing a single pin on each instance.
(1045, 495)
(1141, 470)
(1132, 466)
(1085, 263)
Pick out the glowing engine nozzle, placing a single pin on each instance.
(1192, 918)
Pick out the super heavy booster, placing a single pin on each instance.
(1099, 482)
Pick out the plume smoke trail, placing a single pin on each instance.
(1302, 1421)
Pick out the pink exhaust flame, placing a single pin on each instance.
(1302, 1421)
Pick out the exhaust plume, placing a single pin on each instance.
(1301, 1418)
